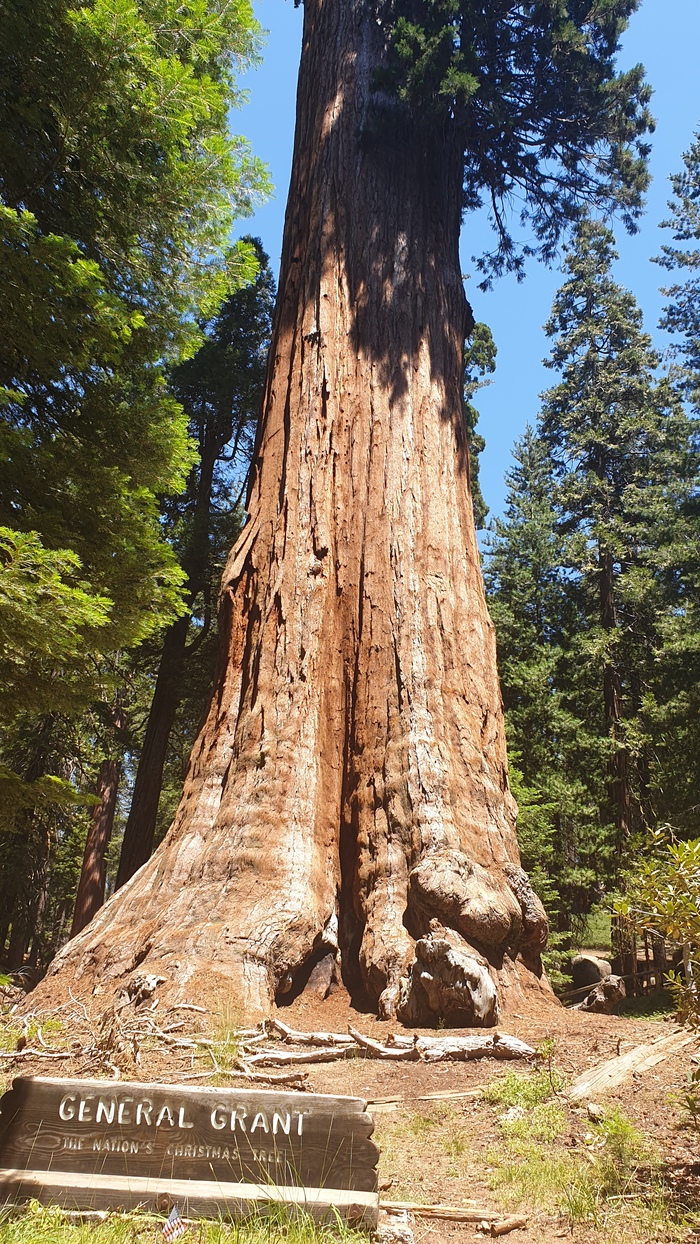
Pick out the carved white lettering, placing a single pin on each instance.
(165, 1114)
(259, 1121)
(66, 1110)
(181, 1118)
(85, 1109)
(216, 1118)
(143, 1110)
(239, 1116)
(105, 1108)
(300, 1124)
(123, 1111)
(285, 1122)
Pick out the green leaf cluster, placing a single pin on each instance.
(662, 895)
(118, 187)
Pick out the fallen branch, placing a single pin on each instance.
(456, 1213)
(292, 1081)
(438, 1049)
(277, 1058)
(292, 1035)
(242, 1072)
(28, 1052)
(384, 1051)
(508, 1224)
(498, 1045)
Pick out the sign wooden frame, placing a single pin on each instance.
(101, 1144)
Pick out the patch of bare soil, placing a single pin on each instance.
(436, 1146)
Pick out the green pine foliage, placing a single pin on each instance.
(682, 312)
(529, 95)
(479, 363)
(119, 185)
(118, 188)
(592, 586)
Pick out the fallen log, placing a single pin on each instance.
(615, 1071)
(278, 1058)
(508, 1224)
(498, 1045)
(454, 1213)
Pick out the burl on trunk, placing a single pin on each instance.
(348, 791)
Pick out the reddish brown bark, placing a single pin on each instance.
(91, 887)
(349, 785)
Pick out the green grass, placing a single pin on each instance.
(653, 1005)
(516, 1089)
(595, 933)
(39, 1225)
(443, 1125)
(613, 1182)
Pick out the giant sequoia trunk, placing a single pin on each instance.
(349, 789)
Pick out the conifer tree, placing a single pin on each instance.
(353, 757)
(589, 590)
(536, 607)
(621, 447)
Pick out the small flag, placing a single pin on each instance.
(174, 1227)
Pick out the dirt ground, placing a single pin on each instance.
(453, 1150)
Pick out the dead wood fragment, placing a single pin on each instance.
(508, 1224)
(499, 1045)
(455, 1213)
(307, 1038)
(240, 1071)
(277, 1058)
(450, 1096)
(615, 1071)
(383, 1051)
(28, 1052)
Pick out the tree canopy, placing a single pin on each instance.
(118, 186)
(530, 95)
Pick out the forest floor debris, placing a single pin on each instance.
(458, 1134)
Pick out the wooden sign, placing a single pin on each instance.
(96, 1144)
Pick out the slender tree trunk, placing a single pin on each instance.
(91, 887)
(618, 767)
(19, 941)
(349, 785)
(140, 828)
(141, 821)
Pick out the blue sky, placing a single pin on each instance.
(665, 36)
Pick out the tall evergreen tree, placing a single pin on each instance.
(678, 723)
(536, 607)
(622, 450)
(353, 757)
(588, 592)
(119, 183)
